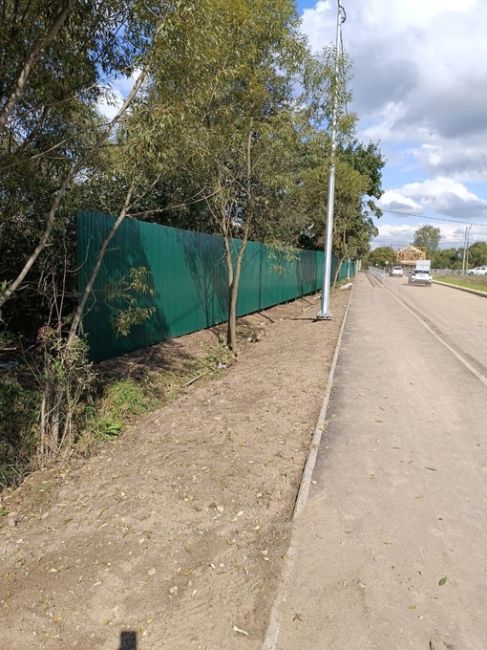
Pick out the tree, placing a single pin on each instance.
(381, 256)
(217, 125)
(427, 238)
(477, 254)
(51, 140)
(54, 58)
(447, 258)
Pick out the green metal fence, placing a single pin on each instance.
(187, 273)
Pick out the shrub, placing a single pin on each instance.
(19, 408)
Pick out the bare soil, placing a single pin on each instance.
(172, 537)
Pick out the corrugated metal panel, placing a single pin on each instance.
(188, 274)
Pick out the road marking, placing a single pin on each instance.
(437, 336)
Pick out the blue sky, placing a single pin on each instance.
(419, 89)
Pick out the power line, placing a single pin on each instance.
(427, 217)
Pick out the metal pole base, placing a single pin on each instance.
(326, 316)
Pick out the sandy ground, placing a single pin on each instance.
(392, 547)
(173, 536)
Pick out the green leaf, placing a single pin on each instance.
(113, 429)
(442, 581)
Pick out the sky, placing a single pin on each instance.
(419, 86)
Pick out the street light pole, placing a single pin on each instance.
(324, 313)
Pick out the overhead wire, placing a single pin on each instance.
(428, 218)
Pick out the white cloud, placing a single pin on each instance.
(117, 90)
(439, 195)
(461, 159)
(452, 236)
(397, 200)
(109, 104)
(420, 70)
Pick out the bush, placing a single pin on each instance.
(19, 409)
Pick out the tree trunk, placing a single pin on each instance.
(232, 298)
(337, 272)
(232, 322)
(232, 318)
(31, 61)
(78, 314)
(234, 273)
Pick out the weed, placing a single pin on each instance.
(125, 398)
(18, 417)
(106, 419)
(217, 356)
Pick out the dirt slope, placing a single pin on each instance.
(176, 532)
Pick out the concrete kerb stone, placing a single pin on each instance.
(482, 294)
(272, 635)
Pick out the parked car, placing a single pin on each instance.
(421, 276)
(478, 270)
(397, 271)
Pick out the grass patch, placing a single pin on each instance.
(119, 400)
(106, 418)
(119, 394)
(467, 282)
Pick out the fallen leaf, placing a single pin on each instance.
(431, 469)
(442, 581)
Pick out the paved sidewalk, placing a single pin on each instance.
(392, 544)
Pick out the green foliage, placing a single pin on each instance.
(125, 398)
(120, 401)
(427, 238)
(477, 254)
(218, 141)
(447, 258)
(216, 357)
(19, 410)
(125, 297)
(381, 256)
(280, 256)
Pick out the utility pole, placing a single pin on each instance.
(324, 313)
(465, 249)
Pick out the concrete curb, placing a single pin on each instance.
(482, 294)
(272, 635)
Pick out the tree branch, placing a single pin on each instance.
(31, 61)
(76, 167)
(78, 314)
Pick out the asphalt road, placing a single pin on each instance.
(391, 548)
(460, 317)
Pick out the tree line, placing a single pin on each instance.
(224, 129)
(428, 239)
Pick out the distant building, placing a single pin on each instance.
(410, 255)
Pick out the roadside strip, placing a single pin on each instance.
(272, 635)
(483, 294)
